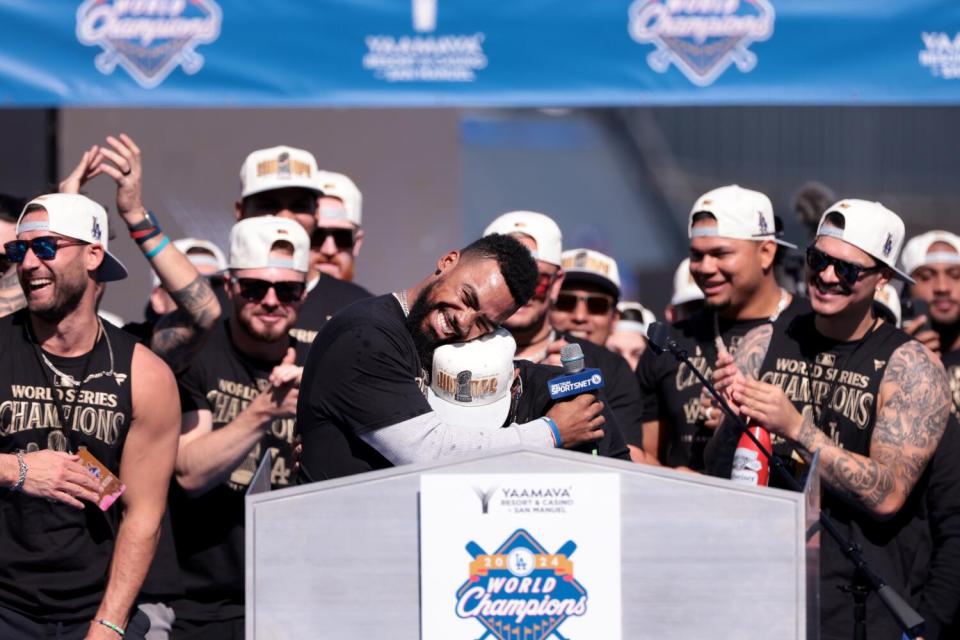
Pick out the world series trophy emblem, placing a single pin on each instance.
(463, 387)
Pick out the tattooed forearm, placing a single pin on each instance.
(11, 295)
(198, 302)
(914, 404)
(179, 335)
(753, 349)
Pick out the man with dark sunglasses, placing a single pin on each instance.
(871, 400)
(334, 247)
(586, 304)
(11, 296)
(239, 403)
(79, 400)
(285, 181)
(733, 244)
(540, 342)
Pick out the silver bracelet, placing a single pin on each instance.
(23, 471)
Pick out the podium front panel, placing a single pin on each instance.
(701, 557)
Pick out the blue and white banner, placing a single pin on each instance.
(478, 53)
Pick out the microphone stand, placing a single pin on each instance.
(865, 580)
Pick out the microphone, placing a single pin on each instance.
(576, 379)
(658, 337)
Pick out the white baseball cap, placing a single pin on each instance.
(635, 326)
(252, 239)
(470, 383)
(741, 214)
(916, 253)
(185, 245)
(869, 226)
(278, 168)
(538, 226)
(337, 185)
(887, 296)
(593, 267)
(685, 288)
(78, 217)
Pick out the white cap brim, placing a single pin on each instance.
(492, 415)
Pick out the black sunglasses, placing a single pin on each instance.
(597, 304)
(343, 237)
(254, 289)
(847, 272)
(44, 247)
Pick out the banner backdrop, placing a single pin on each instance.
(477, 52)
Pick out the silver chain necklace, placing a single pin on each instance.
(401, 297)
(68, 380)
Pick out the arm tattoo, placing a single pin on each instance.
(179, 335)
(753, 349)
(11, 295)
(912, 418)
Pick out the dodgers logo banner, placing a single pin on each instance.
(148, 38)
(520, 557)
(702, 38)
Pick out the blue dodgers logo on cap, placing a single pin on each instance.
(521, 590)
(888, 245)
(96, 232)
(148, 39)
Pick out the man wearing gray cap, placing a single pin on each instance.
(87, 418)
(872, 401)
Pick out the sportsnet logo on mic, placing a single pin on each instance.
(148, 38)
(584, 381)
(701, 37)
(521, 590)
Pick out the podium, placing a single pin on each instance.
(701, 557)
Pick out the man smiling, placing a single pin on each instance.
(872, 401)
(364, 402)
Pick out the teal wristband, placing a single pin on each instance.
(157, 249)
(556, 432)
(112, 627)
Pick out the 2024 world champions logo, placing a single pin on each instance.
(521, 591)
(148, 38)
(702, 38)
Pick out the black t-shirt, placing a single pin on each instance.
(327, 298)
(839, 382)
(620, 387)
(951, 362)
(671, 392)
(534, 402)
(940, 597)
(209, 529)
(54, 559)
(363, 373)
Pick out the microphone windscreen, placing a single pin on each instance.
(657, 335)
(571, 357)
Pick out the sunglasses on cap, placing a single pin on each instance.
(44, 247)
(343, 237)
(848, 272)
(597, 303)
(254, 290)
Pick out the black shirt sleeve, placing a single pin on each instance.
(366, 377)
(193, 389)
(647, 378)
